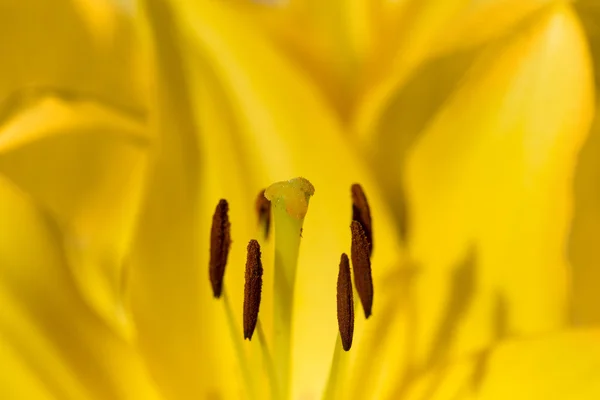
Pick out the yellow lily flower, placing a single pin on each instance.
(105, 284)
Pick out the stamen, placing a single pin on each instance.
(345, 303)
(263, 210)
(362, 213)
(220, 240)
(268, 361)
(337, 373)
(362, 267)
(238, 346)
(252, 288)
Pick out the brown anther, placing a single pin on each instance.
(252, 288)
(362, 213)
(362, 266)
(263, 210)
(220, 240)
(345, 303)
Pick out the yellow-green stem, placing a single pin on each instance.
(289, 203)
(238, 345)
(268, 362)
(287, 245)
(336, 372)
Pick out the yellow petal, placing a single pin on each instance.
(380, 360)
(71, 46)
(71, 132)
(589, 13)
(584, 252)
(345, 34)
(260, 121)
(52, 344)
(415, 32)
(84, 163)
(168, 285)
(558, 366)
(483, 21)
(17, 380)
(458, 198)
(489, 190)
(330, 40)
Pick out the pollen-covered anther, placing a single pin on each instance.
(345, 303)
(220, 240)
(361, 262)
(362, 213)
(263, 210)
(252, 288)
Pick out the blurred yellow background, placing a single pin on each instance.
(471, 124)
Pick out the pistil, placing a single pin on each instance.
(289, 200)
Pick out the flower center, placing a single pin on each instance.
(288, 202)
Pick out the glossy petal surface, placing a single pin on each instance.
(489, 187)
(52, 344)
(72, 133)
